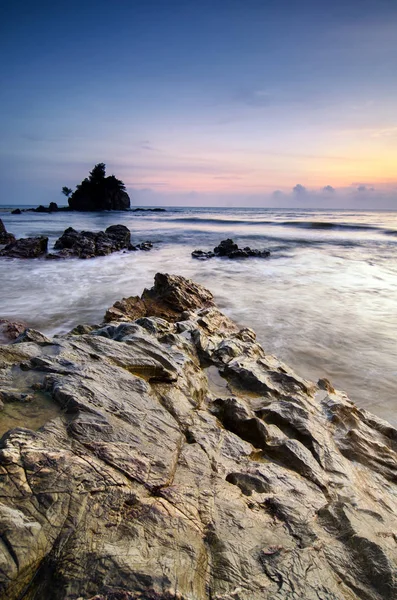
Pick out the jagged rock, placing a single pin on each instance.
(87, 244)
(5, 237)
(26, 248)
(227, 248)
(170, 296)
(150, 486)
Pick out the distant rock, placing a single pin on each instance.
(148, 210)
(5, 237)
(17, 211)
(229, 249)
(99, 192)
(33, 247)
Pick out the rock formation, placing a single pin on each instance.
(187, 463)
(227, 248)
(99, 192)
(33, 247)
(88, 244)
(5, 237)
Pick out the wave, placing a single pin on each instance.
(317, 225)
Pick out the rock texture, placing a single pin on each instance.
(190, 464)
(33, 247)
(5, 237)
(227, 248)
(88, 244)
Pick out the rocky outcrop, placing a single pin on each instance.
(187, 463)
(168, 299)
(33, 247)
(88, 244)
(227, 248)
(98, 192)
(5, 237)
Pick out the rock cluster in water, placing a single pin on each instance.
(189, 464)
(88, 244)
(32, 247)
(227, 248)
(72, 243)
(5, 237)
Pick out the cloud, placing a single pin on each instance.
(364, 188)
(329, 189)
(254, 97)
(299, 189)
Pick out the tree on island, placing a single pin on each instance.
(98, 192)
(66, 191)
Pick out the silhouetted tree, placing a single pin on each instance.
(66, 191)
(98, 192)
(98, 173)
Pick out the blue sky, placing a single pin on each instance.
(219, 102)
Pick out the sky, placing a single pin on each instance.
(222, 102)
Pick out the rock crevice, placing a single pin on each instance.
(153, 484)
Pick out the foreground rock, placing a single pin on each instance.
(168, 299)
(88, 244)
(5, 237)
(33, 247)
(227, 248)
(189, 464)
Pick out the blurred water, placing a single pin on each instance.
(324, 302)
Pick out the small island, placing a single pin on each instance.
(98, 192)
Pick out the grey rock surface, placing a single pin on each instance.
(187, 463)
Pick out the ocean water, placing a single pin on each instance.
(325, 301)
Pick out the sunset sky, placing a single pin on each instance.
(222, 102)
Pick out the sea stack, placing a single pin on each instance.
(98, 192)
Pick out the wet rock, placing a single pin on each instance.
(227, 248)
(53, 207)
(88, 244)
(5, 237)
(16, 211)
(34, 247)
(170, 296)
(10, 330)
(150, 486)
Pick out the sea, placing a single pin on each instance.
(324, 302)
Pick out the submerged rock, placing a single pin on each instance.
(227, 248)
(33, 247)
(5, 237)
(152, 486)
